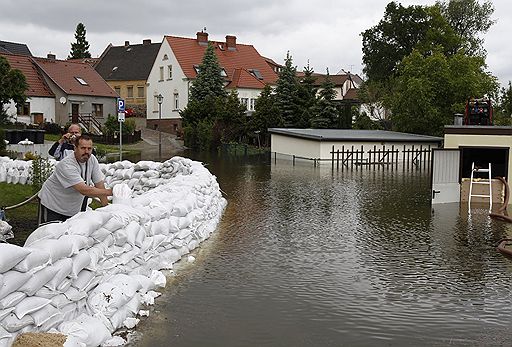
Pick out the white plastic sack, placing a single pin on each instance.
(38, 279)
(36, 259)
(30, 304)
(122, 194)
(12, 281)
(86, 329)
(52, 230)
(10, 255)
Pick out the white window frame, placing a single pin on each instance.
(252, 102)
(161, 74)
(245, 102)
(176, 101)
(169, 72)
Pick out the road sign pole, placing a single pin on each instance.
(120, 140)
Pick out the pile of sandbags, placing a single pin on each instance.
(89, 276)
(15, 171)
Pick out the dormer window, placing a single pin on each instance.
(256, 73)
(196, 68)
(81, 81)
(223, 72)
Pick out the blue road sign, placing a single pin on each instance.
(120, 105)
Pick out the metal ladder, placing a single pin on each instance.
(486, 182)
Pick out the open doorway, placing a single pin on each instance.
(482, 156)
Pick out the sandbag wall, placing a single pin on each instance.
(16, 171)
(88, 276)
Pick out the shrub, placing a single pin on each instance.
(41, 170)
(111, 126)
(52, 128)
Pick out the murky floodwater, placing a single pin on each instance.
(310, 257)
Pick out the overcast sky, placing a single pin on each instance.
(325, 32)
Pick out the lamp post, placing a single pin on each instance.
(160, 99)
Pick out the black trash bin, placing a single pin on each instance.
(39, 136)
(29, 134)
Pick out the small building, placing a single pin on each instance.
(321, 144)
(465, 146)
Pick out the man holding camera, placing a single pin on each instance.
(66, 191)
(65, 145)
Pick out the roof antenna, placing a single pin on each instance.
(204, 30)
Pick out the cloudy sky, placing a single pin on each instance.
(324, 32)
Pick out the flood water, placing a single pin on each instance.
(308, 256)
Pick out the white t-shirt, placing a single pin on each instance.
(58, 194)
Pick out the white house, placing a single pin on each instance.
(175, 68)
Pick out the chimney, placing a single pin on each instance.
(51, 56)
(126, 43)
(146, 42)
(231, 42)
(202, 38)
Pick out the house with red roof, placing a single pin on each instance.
(40, 103)
(61, 91)
(81, 94)
(176, 67)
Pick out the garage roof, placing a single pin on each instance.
(354, 135)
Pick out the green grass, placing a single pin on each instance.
(22, 219)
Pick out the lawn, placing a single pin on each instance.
(23, 219)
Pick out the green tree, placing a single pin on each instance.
(468, 19)
(265, 116)
(13, 86)
(503, 109)
(232, 123)
(372, 95)
(209, 81)
(286, 94)
(326, 115)
(80, 48)
(206, 103)
(306, 96)
(430, 89)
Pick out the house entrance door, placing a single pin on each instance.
(74, 112)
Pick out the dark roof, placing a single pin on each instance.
(128, 63)
(354, 135)
(14, 48)
(75, 78)
(37, 87)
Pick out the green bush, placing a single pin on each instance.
(111, 126)
(52, 128)
(41, 170)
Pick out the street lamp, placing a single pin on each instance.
(160, 99)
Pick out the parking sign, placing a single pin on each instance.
(120, 105)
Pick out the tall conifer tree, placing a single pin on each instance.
(80, 48)
(286, 94)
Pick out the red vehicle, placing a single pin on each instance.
(130, 112)
(478, 112)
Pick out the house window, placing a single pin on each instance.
(169, 72)
(130, 91)
(251, 104)
(244, 101)
(118, 90)
(155, 103)
(23, 110)
(196, 68)
(97, 110)
(176, 101)
(81, 81)
(256, 73)
(223, 73)
(140, 92)
(161, 73)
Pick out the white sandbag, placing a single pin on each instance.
(100, 234)
(59, 301)
(145, 282)
(4, 334)
(131, 232)
(11, 300)
(30, 304)
(58, 249)
(52, 323)
(52, 230)
(88, 330)
(64, 285)
(122, 194)
(12, 324)
(158, 278)
(78, 241)
(83, 279)
(80, 261)
(5, 313)
(64, 266)
(69, 311)
(131, 322)
(149, 297)
(114, 342)
(74, 295)
(106, 298)
(44, 314)
(12, 281)
(120, 237)
(36, 259)
(114, 224)
(38, 280)
(85, 223)
(10, 255)
(118, 317)
(128, 285)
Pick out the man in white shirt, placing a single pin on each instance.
(65, 192)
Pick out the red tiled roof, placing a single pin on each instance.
(189, 52)
(65, 73)
(243, 78)
(351, 94)
(37, 87)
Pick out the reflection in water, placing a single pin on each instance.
(309, 256)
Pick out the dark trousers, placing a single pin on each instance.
(46, 215)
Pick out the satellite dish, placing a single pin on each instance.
(62, 100)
